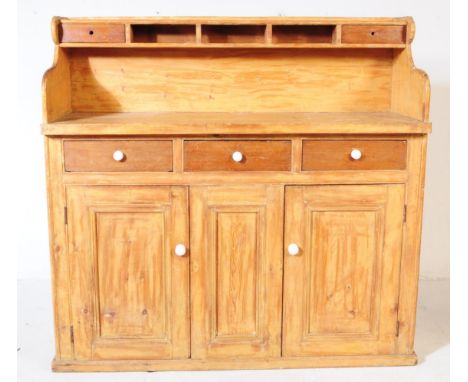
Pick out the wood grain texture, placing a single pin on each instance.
(262, 46)
(163, 33)
(296, 155)
(236, 271)
(411, 87)
(341, 291)
(96, 155)
(113, 80)
(132, 302)
(373, 34)
(222, 32)
(56, 97)
(239, 364)
(336, 155)
(284, 34)
(217, 155)
(417, 147)
(93, 33)
(59, 260)
(343, 255)
(240, 20)
(55, 25)
(238, 177)
(235, 123)
(178, 95)
(130, 292)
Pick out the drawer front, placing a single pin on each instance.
(237, 155)
(368, 155)
(373, 34)
(92, 33)
(117, 155)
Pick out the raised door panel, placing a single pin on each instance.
(130, 293)
(236, 279)
(341, 290)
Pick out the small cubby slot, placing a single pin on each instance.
(163, 33)
(233, 33)
(302, 34)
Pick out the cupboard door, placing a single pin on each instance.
(130, 293)
(236, 270)
(341, 289)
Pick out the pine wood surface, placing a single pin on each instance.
(221, 32)
(237, 364)
(143, 311)
(247, 80)
(238, 20)
(341, 291)
(374, 34)
(411, 244)
(178, 96)
(336, 155)
(233, 177)
(257, 155)
(96, 155)
(236, 271)
(202, 123)
(59, 260)
(92, 33)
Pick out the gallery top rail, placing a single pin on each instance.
(233, 32)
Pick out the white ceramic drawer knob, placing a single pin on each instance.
(293, 249)
(180, 250)
(118, 156)
(356, 154)
(237, 156)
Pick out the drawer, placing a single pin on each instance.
(373, 34)
(117, 155)
(368, 155)
(217, 155)
(92, 33)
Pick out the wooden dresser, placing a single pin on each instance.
(234, 193)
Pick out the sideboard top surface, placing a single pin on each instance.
(195, 123)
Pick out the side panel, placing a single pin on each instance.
(59, 257)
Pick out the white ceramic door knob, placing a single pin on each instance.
(356, 154)
(293, 249)
(237, 156)
(118, 156)
(180, 250)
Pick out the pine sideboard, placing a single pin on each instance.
(234, 193)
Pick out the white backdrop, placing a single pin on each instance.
(430, 52)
